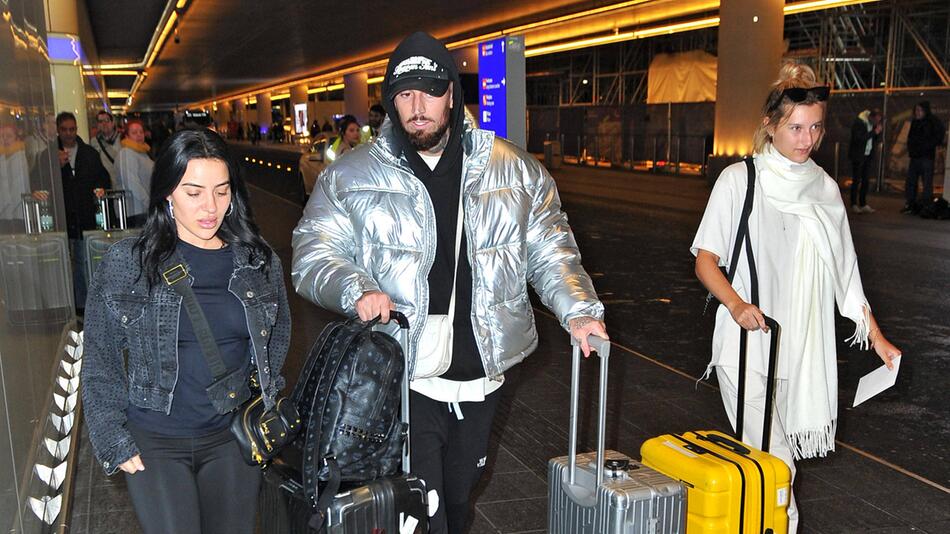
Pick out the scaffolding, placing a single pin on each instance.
(879, 54)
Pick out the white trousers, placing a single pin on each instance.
(753, 420)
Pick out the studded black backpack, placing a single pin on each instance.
(348, 396)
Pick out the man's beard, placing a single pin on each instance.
(423, 141)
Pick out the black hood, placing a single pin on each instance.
(925, 105)
(421, 44)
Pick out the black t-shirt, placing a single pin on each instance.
(466, 361)
(192, 413)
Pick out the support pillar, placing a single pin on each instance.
(356, 96)
(69, 93)
(263, 111)
(744, 74)
(239, 109)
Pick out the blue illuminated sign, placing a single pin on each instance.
(65, 48)
(492, 90)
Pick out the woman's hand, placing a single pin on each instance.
(748, 316)
(884, 349)
(133, 465)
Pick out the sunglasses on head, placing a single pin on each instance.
(800, 94)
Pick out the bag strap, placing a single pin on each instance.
(459, 223)
(743, 237)
(209, 348)
(741, 233)
(104, 151)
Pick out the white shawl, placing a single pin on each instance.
(826, 268)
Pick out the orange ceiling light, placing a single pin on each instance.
(817, 5)
(116, 72)
(169, 24)
(324, 88)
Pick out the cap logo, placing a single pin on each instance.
(415, 63)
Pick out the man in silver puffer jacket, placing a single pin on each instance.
(380, 232)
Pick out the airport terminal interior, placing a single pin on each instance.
(634, 107)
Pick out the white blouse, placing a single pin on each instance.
(774, 237)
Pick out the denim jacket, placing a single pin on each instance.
(131, 341)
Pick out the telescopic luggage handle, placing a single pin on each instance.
(31, 214)
(114, 201)
(775, 330)
(403, 322)
(602, 347)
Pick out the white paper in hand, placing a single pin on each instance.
(876, 381)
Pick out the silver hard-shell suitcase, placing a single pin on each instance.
(608, 492)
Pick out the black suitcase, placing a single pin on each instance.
(36, 273)
(389, 505)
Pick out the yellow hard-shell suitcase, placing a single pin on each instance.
(731, 487)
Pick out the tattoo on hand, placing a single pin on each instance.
(581, 322)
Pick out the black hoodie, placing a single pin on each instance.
(442, 184)
(925, 134)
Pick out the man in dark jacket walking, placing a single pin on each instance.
(84, 178)
(865, 131)
(926, 134)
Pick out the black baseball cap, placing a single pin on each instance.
(419, 72)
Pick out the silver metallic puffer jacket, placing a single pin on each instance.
(370, 225)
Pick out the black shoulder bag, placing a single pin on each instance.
(261, 428)
(741, 235)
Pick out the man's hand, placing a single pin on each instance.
(41, 195)
(374, 303)
(581, 327)
(133, 465)
(63, 158)
(99, 192)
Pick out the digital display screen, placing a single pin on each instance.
(491, 87)
(300, 118)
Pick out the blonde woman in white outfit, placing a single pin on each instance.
(806, 264)
(135, 172)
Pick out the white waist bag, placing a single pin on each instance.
(434, 354)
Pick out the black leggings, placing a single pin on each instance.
(193, 485)
(450, 454)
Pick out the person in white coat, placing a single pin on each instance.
(14, 179)
(806, 264)
(135, 172)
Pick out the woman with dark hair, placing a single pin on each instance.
(161, 417)
(347, 140)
